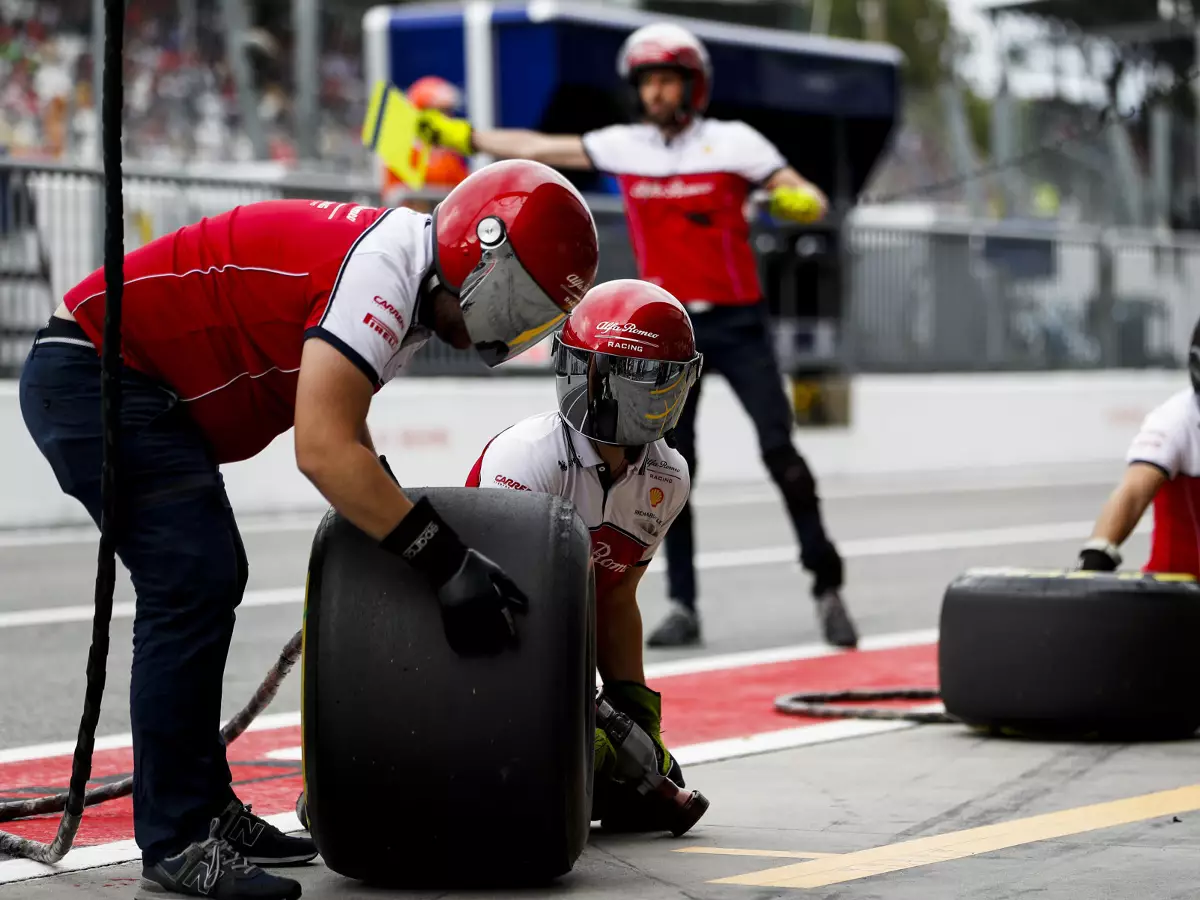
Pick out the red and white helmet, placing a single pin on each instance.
(624, 363)
(667, 45)
(516, 243)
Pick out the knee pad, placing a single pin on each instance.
(789, 470)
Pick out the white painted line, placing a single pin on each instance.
(717, 662)
(896, 545)
(788, 739)
(59, 615)
(754, 494)
(98, 855)
(265, 722)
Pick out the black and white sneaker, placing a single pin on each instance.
(212, 868)
(261, 842)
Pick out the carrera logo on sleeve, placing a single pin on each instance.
(395, 313)
(382, 330)
(504, 481)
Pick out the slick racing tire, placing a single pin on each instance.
(425, 768)
(1072, 655)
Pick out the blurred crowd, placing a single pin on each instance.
(181, 104)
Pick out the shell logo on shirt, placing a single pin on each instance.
(656, 496)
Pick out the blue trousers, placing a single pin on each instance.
(179, 541)
(736, 342)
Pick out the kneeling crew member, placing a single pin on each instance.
(236, 328)
(1164, 469)
(624, 363)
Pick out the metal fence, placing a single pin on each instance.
(967, 296)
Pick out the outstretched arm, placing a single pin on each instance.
(1120, 515)
(563, 151)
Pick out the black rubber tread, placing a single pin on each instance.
(422, 767)
(1065, 654)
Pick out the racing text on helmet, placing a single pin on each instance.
(624, 363)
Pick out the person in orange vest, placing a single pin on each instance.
(445, 168)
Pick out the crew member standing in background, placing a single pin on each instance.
(445, 169)
(686, 180)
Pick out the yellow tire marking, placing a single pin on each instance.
(972, 842)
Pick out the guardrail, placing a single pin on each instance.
(950, 297)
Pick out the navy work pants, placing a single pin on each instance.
(736, 342)
(179, 541)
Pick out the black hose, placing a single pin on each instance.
(818, 705)
(110, 402)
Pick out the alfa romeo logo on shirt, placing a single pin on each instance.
(656, 496)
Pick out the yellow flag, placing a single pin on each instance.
(390, 131)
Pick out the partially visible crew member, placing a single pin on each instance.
(1163, 468)
(685, 180)
(235, 329)
(445, 168)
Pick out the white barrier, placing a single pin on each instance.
(432, 430)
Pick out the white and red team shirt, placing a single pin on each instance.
(543, 454)
(1170, 440)
(219, 311)
(685, 203)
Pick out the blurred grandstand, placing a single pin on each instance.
(181, 102)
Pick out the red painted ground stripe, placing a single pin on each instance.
(697, 708)
(711, 706)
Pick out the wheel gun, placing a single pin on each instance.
(637, 763)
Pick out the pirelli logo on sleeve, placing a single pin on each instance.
(376, 325)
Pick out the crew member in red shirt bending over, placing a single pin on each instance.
(1164, 470)
(236, 328)
(623, 364)
(685, 180)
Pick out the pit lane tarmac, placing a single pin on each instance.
(924, 811)
(844, 808)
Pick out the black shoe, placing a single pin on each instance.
(212, 868)
(261, 842)
(680, 628)
(835, 620)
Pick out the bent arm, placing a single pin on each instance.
(563, 151)
(332, 442)
(619, 630)
(1128, 502)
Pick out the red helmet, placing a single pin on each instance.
(516, 243)
(665, 45)
(624, 363)
(432, 92)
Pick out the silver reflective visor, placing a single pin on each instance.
(504, 309)
(632, 401)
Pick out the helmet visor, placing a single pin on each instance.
(504, 309)
(620, 399)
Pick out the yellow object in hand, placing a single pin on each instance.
(445, 131)
(797, 204)
(390, 129)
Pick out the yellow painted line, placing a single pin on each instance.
(764, 854)
(972, 842)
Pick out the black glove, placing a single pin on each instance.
(1098, 556)
(477, 598)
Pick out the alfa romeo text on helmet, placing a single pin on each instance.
(665, 45)
(624, 363)
(516, 243)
